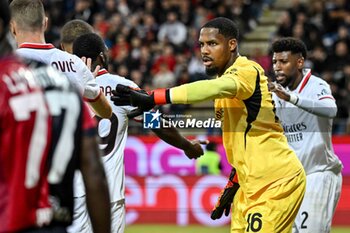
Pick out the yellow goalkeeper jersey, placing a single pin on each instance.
(252, 135)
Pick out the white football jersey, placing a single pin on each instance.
(72, 66)
(309, 135)
(113, 133)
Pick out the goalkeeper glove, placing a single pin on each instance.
(124, 95)
(226, 197)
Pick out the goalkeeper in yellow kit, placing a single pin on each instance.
(271, 178)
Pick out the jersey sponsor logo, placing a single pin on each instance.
(293, 132)
(151, 120)
(295, 137)
(232, 71)
(293, 128)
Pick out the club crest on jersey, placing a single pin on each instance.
(151, 120)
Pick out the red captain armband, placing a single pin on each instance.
(161, 96)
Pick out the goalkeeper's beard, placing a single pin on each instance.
(211, 71)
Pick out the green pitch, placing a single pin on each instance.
(194, 229)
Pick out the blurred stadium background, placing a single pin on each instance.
(154, 43)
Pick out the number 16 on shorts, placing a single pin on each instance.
(254, 222)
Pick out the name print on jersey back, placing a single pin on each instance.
(72, 66)
(106, 90)
(64, 66)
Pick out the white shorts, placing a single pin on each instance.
(118, 220)
(320, 200)
(81, 221)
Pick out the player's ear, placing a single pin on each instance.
(300, 62)
(66, 47)
(232, 44)
(13, 28)
(45, 23)
(100, 55)
(102, 58)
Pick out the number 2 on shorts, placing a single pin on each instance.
(303, 224)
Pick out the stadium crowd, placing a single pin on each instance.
(324, 27)
(154, 43)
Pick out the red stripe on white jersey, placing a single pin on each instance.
(305, 80)
(102, 71)
(326, 97)
(36, 46)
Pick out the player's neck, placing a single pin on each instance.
(296, 82)
(30, 37)
(232, 60)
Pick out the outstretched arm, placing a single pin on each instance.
(223, 87)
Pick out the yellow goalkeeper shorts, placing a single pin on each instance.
(271, 210)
